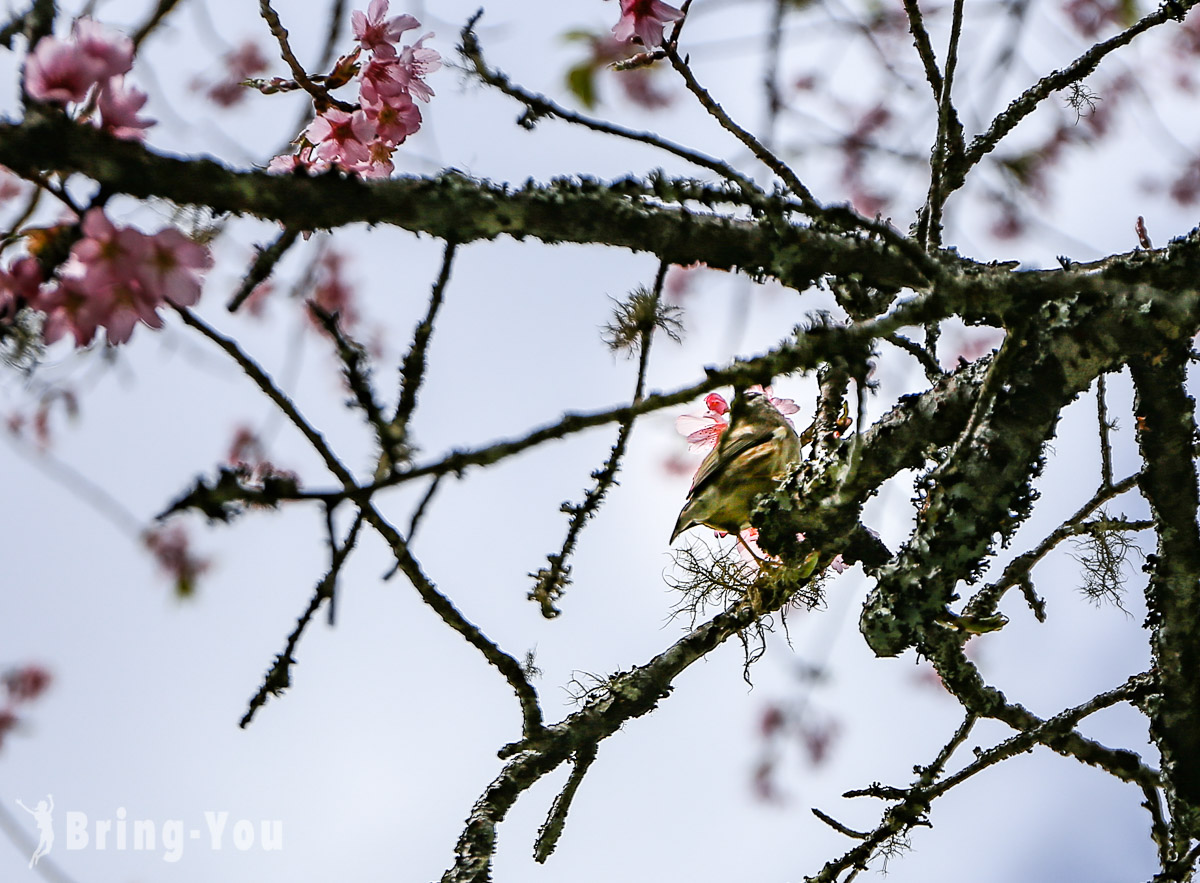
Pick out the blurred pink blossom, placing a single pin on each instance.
(111, 50)
(60, 73)
(644, 20)
(172, 261)
(26, 683)
(116, 277)
(119, 106)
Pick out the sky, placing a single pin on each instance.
(368, 765)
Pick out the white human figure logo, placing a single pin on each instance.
(41, 816)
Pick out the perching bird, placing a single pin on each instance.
(757, 448)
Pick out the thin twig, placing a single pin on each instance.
(419, 512)
(916, 27)
(765, 156)
(1051, 728)
(552, 828)
(509, 667)
(1106, 466)
(279, 678)
(948, 146)
(264, 264)
(320, 95)
(804, 353)
(412, 371)
(552, 580)
(540, 106)
(1077, 70)
(984, 602)
(274, 393)
(932, 369)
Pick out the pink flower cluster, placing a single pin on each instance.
(92, 63)
(114, 278)
(362, 140)
(703, 430)
(644, 20)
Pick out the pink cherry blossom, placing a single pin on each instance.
(295, 163)
(783, 406)
(644, 20)
(67, 306)
(22, 279)
(383, 78)
(238, 64)
(172, 549)
(394, 118)
(169, 269)
(333, 293)
(703, 430)
(379, 164)
(119, 108)
(416, 62)
(60, 72)
(111, 50)
(10, 186)
(116, 277)
(108, 253)
(121, 305)
(374, 33)
(19, 286)
(341, 137)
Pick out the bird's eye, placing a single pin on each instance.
(752, 394)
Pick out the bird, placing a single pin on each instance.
(757, 448)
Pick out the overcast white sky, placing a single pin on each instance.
(372, 760)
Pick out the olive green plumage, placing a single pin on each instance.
(757, 448)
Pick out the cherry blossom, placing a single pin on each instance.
(362, 140)
(379, 162)
(644, 20)
(171, 547)
(119, 106)
(111, 50)
(114, 278)
(703, 430)
(238, 64)
(68, 308)
(394, 120)
(340, 137)
(414, 63)
(295, 163)
(171, 264)
(374, 33)
(59, 73)
(66, 72)
(333, 293)
(107, 252)
(21, 280)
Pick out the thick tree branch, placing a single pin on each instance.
(1166, 433)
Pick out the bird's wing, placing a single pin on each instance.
(725, 451)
